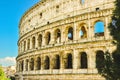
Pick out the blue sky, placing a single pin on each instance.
(11, 12)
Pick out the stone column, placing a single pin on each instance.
(62, 60)
(75, 32)
(89, 32)
(51, 57)
(43, 39)
(42, 62)
(91, 61)
(106, 31)
(75, 59)
(62, 34)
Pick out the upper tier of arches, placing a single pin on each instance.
(49, 11)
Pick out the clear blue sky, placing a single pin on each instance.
(11, 12)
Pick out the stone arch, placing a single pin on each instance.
(19, 66)
(70, 33)
(83, 32)
(99, 28)
(57, 34)
(32, 64)
(99, 59)
(24, 45)
(57, 62)
(69, 61)
(47, 62)
(40, 40)
(26, 64)
(38, 63)
(83, 60)
(28, 44)
(47, 38)
(82, 1)
(33, 42)
(22, 65)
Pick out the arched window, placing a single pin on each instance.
(69, 62)
(70, 33)
(83, 61)
(24, 45)
(19, 66)
(33, 42)
(83, 33)
(99, 29)
(32, 64)
(38, 65)
(57, 36)
(40, 40)
(57, 62)
(28, 44)
(47, 63)
(22, 65)
(48, 38)
(99, 59)
(26, 66)
(82, 1)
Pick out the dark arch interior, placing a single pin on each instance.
(47, 63)
(40, 40)
(57, 62)
(48, 38)
(57, 35)
(33, 42)
(99, 59)
(32, 64)
(38, 63)
(69, 62)
(83, 61)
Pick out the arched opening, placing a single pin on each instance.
(19, 66)
(83, 33)
(57, 62)
(99, 29)
(82, 1)
(28, 44)
(38, 65)
(100, 59)
(32, 64)
(26, 66)
(22, 65)
(57, 36)
(24, 45)
(69, 62)
(33, 42)
(48, 38)
(40, 40)
(70, 33)
(47, 63)
(84, 63)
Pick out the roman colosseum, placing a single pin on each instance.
(62, 39)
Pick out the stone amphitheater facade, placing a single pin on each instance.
(58, 39)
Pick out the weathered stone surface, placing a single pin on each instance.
(50, 44)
